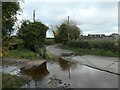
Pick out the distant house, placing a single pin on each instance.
(92, 36)
(113, 36)
(96, 35)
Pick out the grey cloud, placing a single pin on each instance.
(99, 17)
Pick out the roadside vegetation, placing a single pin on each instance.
(93, 47)
(13, 81)
(49, 42)
(33, 34)
(65, 31)
(50, 56)
(98, 52)
(21, 53)
(25, 44)
(9, 17)
(68, 34)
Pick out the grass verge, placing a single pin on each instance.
(13, 81)
(50, 56)
(21, 53)
(98, 52)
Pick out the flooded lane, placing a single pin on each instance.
(80, 76)
(67, 74)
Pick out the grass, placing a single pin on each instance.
(21, 53)
(50, 56)
(13, 81)
(98, 52)
(49, 42)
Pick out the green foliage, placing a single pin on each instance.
(95, 47)
(13, 81)
(66, 31)
(95, 44)
(49, 42)
(6, 44)
(74, 32)
(99, 52)
(56, 35)
(15, 43)
(50, 56)
(63, 33)
(79, 44)
(9, 11)
(33, 34)
(72, 29)
(21, 53)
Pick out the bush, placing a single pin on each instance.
(94, 44)
(79, 44)
(13, 82)
(21, 53)
(49, 42)
(33, 34)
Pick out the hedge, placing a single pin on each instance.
(94, 44)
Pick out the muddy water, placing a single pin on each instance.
(68, 74)
(74, 75)
(13, 70)
(80, 76)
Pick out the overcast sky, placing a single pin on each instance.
(92, 17)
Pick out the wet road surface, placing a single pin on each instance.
(109, 64)
(80, 76)
(68, 74)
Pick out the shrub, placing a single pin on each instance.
(49, 42)
(33, 34)
(94, 44)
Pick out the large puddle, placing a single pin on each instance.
(80, 76)
(69, 74)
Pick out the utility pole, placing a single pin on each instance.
(69, 71)
(33, 15)
(68, 28)
(68, 20)
(68, 40)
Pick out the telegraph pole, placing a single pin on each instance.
(68, 28)
(68, 40)
(68, 20)
(33, 15)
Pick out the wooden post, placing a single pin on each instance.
(33, 15)
(68, 20)
(68, 28)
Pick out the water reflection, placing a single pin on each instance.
(37, 73)
(67, 66)
(78, 76)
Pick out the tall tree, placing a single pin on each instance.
(67, 31)
(73, 30)
(33, 34)
(63, 33)
(9, 12)
(56, 31)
